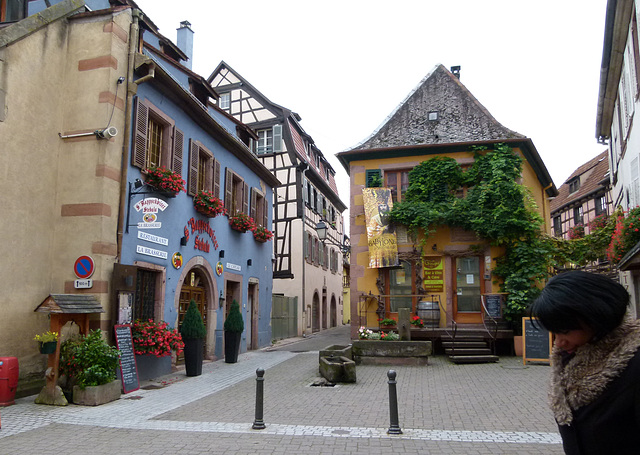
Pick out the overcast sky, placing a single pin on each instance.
(345, 65)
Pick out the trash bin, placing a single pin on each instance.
(8, 380)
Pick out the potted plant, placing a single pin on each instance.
(153, 343)
(262, 234)
(417, 321)
(48, 342)
(208, 204)
(387, 322)
(165, 180)
(193, 333)
(241, 222)
(233, 327)
(90, 365)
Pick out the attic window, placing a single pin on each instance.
(574, 185)
(432, 116)
(224, 101)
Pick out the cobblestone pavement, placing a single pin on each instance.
(443, 409)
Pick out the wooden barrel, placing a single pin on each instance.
(429, 312)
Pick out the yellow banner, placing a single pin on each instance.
(433, 273)
(381, 237)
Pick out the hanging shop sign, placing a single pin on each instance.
(381, 236)
(176, 260)
(151, 205)
(219, 268)
(149, 222)
(433, 270)
(202, 229)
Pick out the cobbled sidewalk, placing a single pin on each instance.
(443, 408)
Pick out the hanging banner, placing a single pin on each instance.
(381, 237)
(433, 273)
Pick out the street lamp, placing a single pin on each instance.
(321, 230)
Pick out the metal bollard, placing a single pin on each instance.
(258, 423)
(394, 427)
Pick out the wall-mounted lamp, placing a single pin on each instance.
(183, 240)
(321, 230)
(221, 254)
(249, 262)
(434, 247)
(137, 184)
(221, 299)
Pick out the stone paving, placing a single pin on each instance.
(443, 408)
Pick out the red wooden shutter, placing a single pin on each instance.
(216, 178)
(178, 148)
(194, 155)
(139, 155)
(228, 191)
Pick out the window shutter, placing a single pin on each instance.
(245, 197)
(178, 148)
(216, 178)
(305, 246)
(139, 155)
(254, 200)
(208, 178)
(277, 138)
(370, 173)
(228, 191)
(194, 155)
(265, 213)
(304, 191)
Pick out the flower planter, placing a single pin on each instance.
(260, 240)
(49, 347)
(231, 346)
(238, 228)
(209, 213)
(193, 355)
(150, 366)
(97, 395)
(374, 352)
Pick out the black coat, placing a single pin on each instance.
(602, 390)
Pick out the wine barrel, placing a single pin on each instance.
(429, 312)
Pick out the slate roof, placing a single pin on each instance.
(70, 304)
(460, 116)
(594, 178)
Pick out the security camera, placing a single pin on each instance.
(107, 133)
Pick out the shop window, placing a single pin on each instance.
(204, 170)
(145, 297)
(157, 141)
(401, 284)
(236, 197)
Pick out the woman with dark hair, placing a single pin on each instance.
(595, 363)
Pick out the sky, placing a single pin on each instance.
(344, 66)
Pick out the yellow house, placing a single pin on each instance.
(447, 273)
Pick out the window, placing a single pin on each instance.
(269, 140)
(145, 297)
(225, 100)
(398, 181)
(259, 208)
(204, 170)
(13, 10)
(157, 141)
(574, 185)
(577, 215)
(557, 226)
(401, 282)
(601, 205)
(373, 178)
(236, 194)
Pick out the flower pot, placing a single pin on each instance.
(517, 345)
(193, 356)
(238, 228)
(206, 211)
(49, 347)
(261, 240)
(231, 346)
(150, 366)
(97, 395)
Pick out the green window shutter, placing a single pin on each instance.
(277, 138)
(372, 175)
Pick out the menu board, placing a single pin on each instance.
(493, 305)
(128, 367)
(537, 342)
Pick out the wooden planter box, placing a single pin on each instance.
(375, 352)
(97, 395)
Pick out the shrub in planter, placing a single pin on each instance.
(233, 328)
(193, 333)
(89, 360)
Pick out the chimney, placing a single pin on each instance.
(185, 41)
(454, 69)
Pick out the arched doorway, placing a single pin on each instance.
(316, 312)
(193, 288)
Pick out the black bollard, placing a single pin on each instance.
(394, 427)
(258, 423)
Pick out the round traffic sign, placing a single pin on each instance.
(84, 267)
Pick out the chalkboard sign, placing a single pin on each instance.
(493, 305)
(128, 367)
(537, 342)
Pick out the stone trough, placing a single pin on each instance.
(336, 364)
(378, 352)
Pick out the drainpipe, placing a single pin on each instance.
(304, 291)
(134, 37)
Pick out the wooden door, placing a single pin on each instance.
(468, 288)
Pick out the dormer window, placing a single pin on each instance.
(224, 101)
(574, 185)
(432, 116)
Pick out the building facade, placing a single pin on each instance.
(115, 100)
(306, 268)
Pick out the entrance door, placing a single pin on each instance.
(468, 286)
(192, 289)
(316, 313)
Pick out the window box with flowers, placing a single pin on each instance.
(262, 234)
(241, 222)
(387, 322)
(153, 344)
(207, 204)
(625, 235)
(417, 322)
(164, 180)
(576, 232)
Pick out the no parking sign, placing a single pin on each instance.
(84, 267)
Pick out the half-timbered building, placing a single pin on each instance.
(305, 267)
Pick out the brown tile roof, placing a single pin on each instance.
(593, 177)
